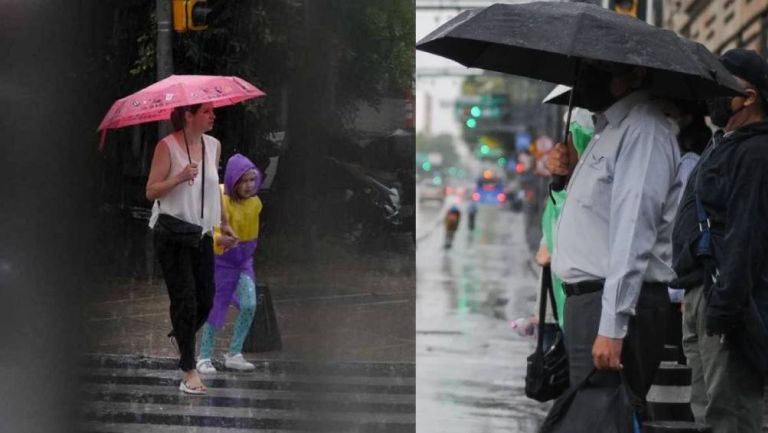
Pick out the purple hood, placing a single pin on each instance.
(237, 166)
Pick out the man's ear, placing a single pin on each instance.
(751, 97)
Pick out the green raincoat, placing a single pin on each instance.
(581, 136)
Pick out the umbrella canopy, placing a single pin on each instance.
(560, 95)
(157, 101)
(549, 40)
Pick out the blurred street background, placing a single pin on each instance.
(480, 142)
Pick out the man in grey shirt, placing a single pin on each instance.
(614, 236)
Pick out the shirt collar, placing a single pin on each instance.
(620, 109)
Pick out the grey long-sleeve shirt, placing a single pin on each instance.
(622, 197)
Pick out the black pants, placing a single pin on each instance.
(675, 331)
(643, 346)
(188, 274)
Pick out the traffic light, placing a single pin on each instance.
(190, 15)
(471, 123)
(475, 111)
(632, 8)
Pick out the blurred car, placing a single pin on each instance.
(459, 190)
(431, 189)
(489, 189)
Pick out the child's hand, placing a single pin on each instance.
(227, 242)
(227, 230)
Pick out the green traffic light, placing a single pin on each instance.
(484, 149)
(475, 111)
(471, 123)
(502, 162)
(426, 166)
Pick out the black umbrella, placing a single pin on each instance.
(551, 41)
(548, 40)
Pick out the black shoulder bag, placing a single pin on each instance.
(547, 375)
(176, 229)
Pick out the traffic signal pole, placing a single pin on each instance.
(164, 48)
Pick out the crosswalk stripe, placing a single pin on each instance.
(141, 395)
(260, 376)
(196, 405)
(220, 382)
(368, 369)
(239, 402)
(97, 427)
(256, 423)
(340, 397)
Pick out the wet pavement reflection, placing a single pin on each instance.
(470, 363)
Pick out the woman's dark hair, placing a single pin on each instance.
(177, 115)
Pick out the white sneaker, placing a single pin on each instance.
(205, 366)
(237, 362)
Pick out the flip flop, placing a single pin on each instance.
(193, 391)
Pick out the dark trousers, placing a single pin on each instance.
(675, 331)
(188, 274)
(643, 346)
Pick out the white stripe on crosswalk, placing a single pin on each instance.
(258, 376)
(341, 397)
(193, 408)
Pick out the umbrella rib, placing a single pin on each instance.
(485, 47)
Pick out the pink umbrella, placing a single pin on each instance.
(156, 102)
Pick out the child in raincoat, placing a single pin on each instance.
(233, 271)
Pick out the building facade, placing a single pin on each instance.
(720, 24)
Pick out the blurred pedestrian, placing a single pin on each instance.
(451, 222)
(692, 139)
(183, 182)
(613, 238)
(472, 214)
(234, 273)
(727, 286)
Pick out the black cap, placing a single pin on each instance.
(749, 66)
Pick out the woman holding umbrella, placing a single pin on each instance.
(184, 183)
(182, 176)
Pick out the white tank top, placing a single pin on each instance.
(184, 200)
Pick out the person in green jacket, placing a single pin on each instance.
(581, 132)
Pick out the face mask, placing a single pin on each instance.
(581, 136)
(720, 111)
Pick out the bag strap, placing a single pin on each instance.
(202, 176)
(546, 292)
(551, 290)
(703, 246)
(704, 250)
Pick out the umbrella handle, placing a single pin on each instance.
(559, 182)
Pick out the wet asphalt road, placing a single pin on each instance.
(470, 363)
